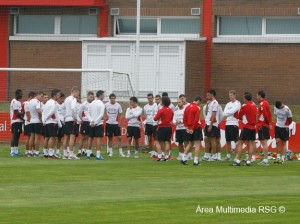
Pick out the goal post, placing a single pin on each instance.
(33, 79)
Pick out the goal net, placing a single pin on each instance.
(88, 80)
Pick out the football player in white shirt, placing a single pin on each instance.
(36, 125)
(60, 132)
(284, 119)
(220, 117)
(212, 131)
(133, 114)
(157, 106)
(113, 124)
(70, 106)
(51, 122)
(16, 120)
(85, 125)
(150, 129)
(95, 115)
(180, 135)
(232, 123)
(28, 151)
(46, 139)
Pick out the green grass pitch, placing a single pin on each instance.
(119, 190)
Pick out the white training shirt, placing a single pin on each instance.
(282, 115)
(213, 106)
(83, 110)
(113, 111)
(34, 105)
(78, 118)
(26, 109)
(50, 113)
(156, 108)
(95, 112)
(15, 105)
(61, 112)
(133, 116)
(230, 109)
(70, 108)
(178, 116)
(220, 114)
(148, 112)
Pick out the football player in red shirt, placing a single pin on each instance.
(248, 116)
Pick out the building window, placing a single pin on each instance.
(78, 25)
(35, 24)
(285, 26)
(235, 25)
(159, 26)
(180, 26)
(56, 25)
(128, 26)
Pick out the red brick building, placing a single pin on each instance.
(190, 45)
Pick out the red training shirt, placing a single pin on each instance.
(191, 116)
(264, 114)
(248, 115)
(165, 114)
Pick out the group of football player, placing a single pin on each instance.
(61, 120)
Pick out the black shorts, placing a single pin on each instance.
(36, 128)
(112, 130)
(70, 128)
(155, 132)
(232, 133)
(149, 130)
(50, 130)
(215, 132)
(16, 127)
(196, 136)
(263, 133)
(27, 130)
(282, 133)
(180, 136)
(61, 131)
(164, 134)
(96, 131)
(133, 132)
(84, 128)
(76, 130)
(248, 135)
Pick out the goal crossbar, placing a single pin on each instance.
(54, 70)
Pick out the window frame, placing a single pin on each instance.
(57, 29)
(158, 34)
(264, 28)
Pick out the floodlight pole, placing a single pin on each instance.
(137, 47)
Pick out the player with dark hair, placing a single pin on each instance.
(28, 151)
(248, 116)
(133, 114)
(51, 122)
(35, 110)
(191, 120)
(16, 120)
(95, 115)
(264, 124)
(113, 124)
(284, 119)
(164, 129)
(212, 130)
